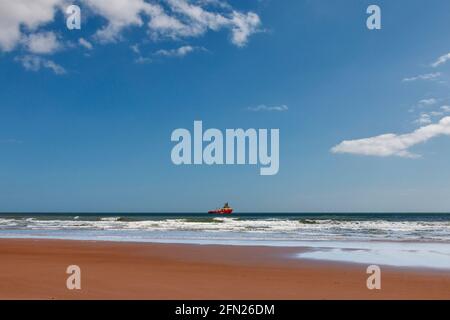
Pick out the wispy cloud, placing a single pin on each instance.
(427, 76)
(445, 108)
(178, 52)
(36, 63)
(135, 48)
(143, 60)
(424, 118)
(429, 110)
(424, 103)
(427, 102)
(436, 113)
(393, 144)
(263, 107)
(86, 44)
(10, 141)
(140, 58)
(441, 60)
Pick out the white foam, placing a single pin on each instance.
(287, 229)
(401, 254)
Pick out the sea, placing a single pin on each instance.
(397, 239)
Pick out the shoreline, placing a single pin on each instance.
(36, 269)
(349, 251)
(292, 250)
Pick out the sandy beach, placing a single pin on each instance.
(36, 269)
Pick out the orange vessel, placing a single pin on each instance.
(226, 209)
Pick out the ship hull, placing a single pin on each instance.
(221, 211)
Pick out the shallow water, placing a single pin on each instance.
(400, 254)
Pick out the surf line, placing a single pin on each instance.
(236, 141)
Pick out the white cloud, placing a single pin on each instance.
(164, 26)
(177, 19)
(392, 144)
(199, 20)
(84, 43)
(244, 26)
(42, 43)
(428, 76)
(166, 18)
(22, 23)
(263, 107)
(35, 63)
(441, 60)
(119, 15)
(14, 15)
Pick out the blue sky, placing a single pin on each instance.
(85, 124)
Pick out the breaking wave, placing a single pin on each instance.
(261, 228)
